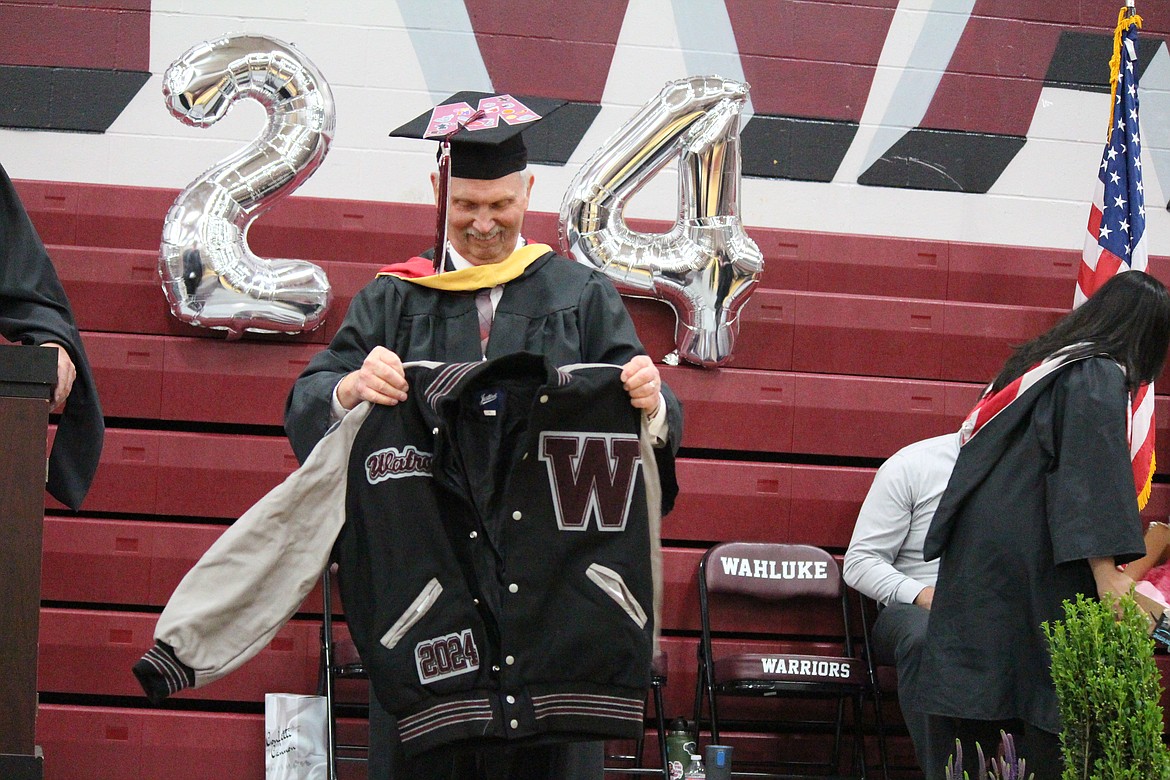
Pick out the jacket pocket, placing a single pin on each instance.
(414, 613)
(612, 584)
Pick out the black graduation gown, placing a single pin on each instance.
(1043, 487)
(557, 308)
(34, 310)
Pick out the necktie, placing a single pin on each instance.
(483, 302)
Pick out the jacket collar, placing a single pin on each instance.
(449, 379)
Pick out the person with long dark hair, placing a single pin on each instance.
(1041, 506)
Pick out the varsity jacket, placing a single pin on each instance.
(499, 556)
(497, 539)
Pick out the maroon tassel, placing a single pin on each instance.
(441, 225)
(444, 178)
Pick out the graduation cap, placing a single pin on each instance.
(491, 144)
(480, 137)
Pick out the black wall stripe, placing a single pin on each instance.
(944, 160)
(84, 100)
(1081, 60)
(782, 147)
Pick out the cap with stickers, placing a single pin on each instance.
(489, 146)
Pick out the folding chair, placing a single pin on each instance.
(339, 661)
(886, 681)
(804, 576)
(657, 682)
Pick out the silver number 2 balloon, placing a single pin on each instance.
(705, 266)
(210, 276)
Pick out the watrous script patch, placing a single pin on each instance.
(393, 463)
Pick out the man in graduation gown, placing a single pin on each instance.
(506, 296)
(1040, 498)
(35, 311)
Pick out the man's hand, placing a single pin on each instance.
(66, 373)
(925, 597)
(380, 380)
(641, 380)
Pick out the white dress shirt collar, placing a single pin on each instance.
(458, 261)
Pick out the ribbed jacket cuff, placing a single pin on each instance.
(160, 673)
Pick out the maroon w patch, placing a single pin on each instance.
(592, 477)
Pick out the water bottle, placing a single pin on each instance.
(680, 744)
(695, 769)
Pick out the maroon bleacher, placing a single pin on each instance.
(851, 347)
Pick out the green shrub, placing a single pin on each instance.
(1108, 688)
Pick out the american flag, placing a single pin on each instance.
(1116, 237)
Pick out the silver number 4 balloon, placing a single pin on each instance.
(210, 276)
(705, 266)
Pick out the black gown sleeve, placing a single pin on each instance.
(34, 310)
(1092, 504)
(307, 412)
(611, 338)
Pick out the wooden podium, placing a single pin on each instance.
(27, 375)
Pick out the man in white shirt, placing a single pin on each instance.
(884, 561)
